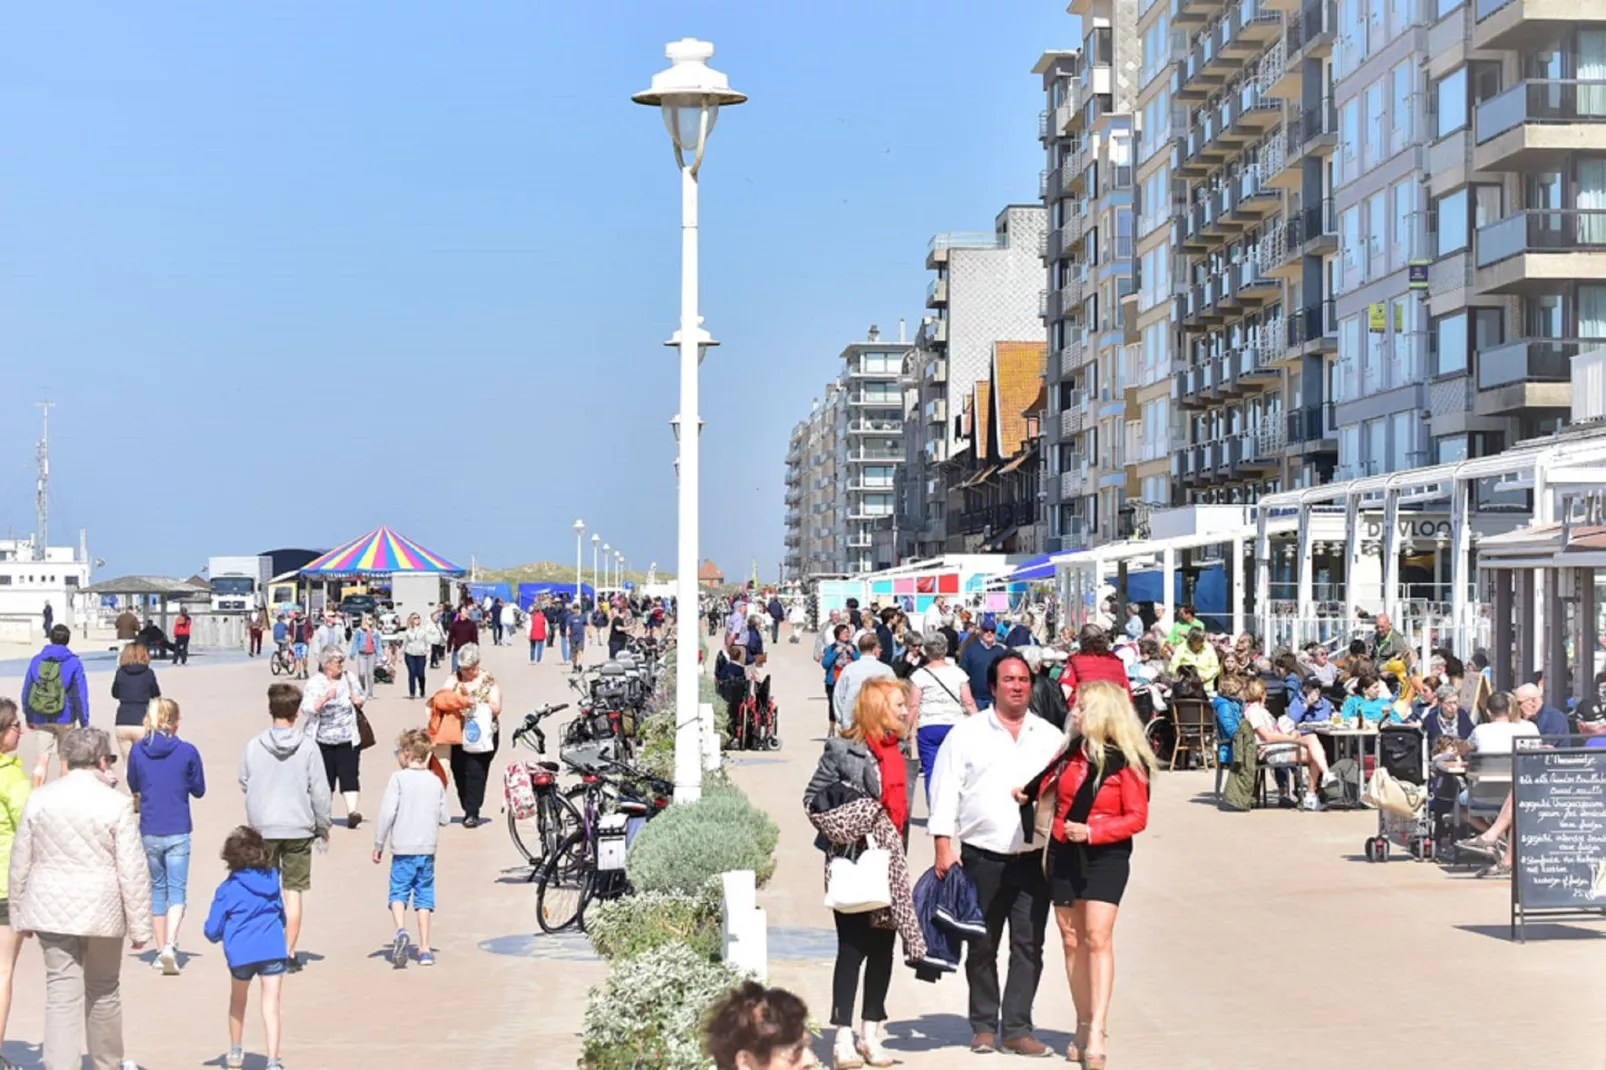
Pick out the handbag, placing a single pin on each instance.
(478, 732)
(365, 731)
(1387, 792)
(860, 885)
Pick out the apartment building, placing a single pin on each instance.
(796, 476)
(869, 451)
(986, 288)
(820, 546)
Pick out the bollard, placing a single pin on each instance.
(710, 734)
(744, 937)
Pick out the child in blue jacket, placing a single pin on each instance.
(247, 916)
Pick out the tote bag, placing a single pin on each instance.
(860, 885)
(478, 735)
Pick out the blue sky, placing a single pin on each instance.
(293, 270)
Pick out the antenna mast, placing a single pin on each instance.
(42, 490)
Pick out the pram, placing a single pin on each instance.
(757, 721)
(1402, 752)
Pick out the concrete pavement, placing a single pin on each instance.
(1246, 940)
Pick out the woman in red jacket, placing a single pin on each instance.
(537, 634)
(1093, 660)
(1101, 801)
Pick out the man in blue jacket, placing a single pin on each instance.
(55, 698)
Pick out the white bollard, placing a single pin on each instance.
(710, 733)
(744, 934)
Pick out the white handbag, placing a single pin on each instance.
(860, 885)
(479, 733)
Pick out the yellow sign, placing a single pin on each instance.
(1376, 318)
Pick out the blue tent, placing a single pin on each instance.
(1209, 592)
(1040, 567)
(529, 592)
(479, 591)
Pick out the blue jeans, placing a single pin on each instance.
(564, 640)
(537, 648)
(928, 739)
(169, 860)
(412, 877)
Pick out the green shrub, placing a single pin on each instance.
(633, 924)
(684, 848)
(648, 1014)
(655, 732)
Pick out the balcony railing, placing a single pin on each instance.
(1540, 360)
(1545, 230)
(1547, 100)
(1319, 219)
(875, 427)
(1318, 120)
(1485, 8)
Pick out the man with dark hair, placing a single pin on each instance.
(977, 660)
(883, 634)
(1184, 624)
(55, 698)
(981, 762)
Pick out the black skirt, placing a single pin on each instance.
(1078, 872)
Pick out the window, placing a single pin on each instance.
(1377, 228)
(1352, 261)
(1400, 108)
(1347, 384)
(1373, 148)
(1404, 216)
(1450, 223)
(1400, 17)
(1406, 367)
(1444, 7)
(1403, 435)
(1349, 137)
(1450, 103)
(1096, 47)
(1450, 344)
(1449, 449)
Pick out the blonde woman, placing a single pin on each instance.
(133, 687)
(165, 773)
(14, 786)
(1101, 791)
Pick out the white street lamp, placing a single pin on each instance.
(690, 94)
(607, 566)
(596, 588)
(579, 565)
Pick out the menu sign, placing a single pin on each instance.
(1559, 859)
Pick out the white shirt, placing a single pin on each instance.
(1496, 737)
(977, 770)
(933, 619)
(937, 705)
(846, 693)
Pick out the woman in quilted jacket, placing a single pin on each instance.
(1101, 801)
(79, 882)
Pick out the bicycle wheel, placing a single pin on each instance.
(273, 664)
(538, 835)
(565, 885)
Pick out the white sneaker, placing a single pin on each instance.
(1328, 777)
(1310, 802)
(167, 961)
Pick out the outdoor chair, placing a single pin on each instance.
(1195, 723)
(1488, 784)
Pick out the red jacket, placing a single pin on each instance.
(1120, 808)
(537, 627)
(1081, 668)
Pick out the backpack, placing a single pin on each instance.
(1341, 790)
(47, 698)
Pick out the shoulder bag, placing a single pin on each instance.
(365, 731)
(860, 885)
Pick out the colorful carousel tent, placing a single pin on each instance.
(381, 552)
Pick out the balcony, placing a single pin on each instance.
(1073, 481)
(1536, 249)
(937, 371)
(1193, 11)
(939, 245)
(1071, 418)
(933, 331)
(1317, 21)
(1524, 24)
(880, 399)
(1247, 28)
(1319, 125)
(1072, 292)
(1256, 200)
(937, 411)
(937, 293)
(876, 427)
(1531, 360)
(1070, 357)
(1536, 124)
(1319, 229)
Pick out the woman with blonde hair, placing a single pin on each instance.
(133, 687)
(865, 765)
(165, 773)
(1101, 801)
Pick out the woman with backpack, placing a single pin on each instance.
(1100, 790)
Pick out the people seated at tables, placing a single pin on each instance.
(1286, 666)
(1309, 704)
(1317, 663)
(1199, 654)
(1424, 694)
(1228, 705)
(1498, 733)
(1548, 719)
(1446, 717)
(1371, 702)
(1280, 749)
(1349, 662)
(1093, 660)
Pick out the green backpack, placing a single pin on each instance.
(47, 699)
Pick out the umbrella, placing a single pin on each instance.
(380, 552)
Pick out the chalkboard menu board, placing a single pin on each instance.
(1559, 860)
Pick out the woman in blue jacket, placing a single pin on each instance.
(838, 656)
(165, 772)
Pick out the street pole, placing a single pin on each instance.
(688, 756)
(596, 592)
(579, 560)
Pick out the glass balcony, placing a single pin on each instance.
(1542, 230)
(1542, 101)
(1538, 360)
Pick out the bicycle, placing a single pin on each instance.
(281, 662)
(572, 877)
(538, 824)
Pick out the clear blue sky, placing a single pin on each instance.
(293, 270)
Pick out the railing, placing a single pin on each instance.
(1485, 8)
(1318, 120)
(875, 426)
(1320, 220)
(1309, 424)
(1042, 123)
(1541, 100)
(966, 239)
(1541, 230)
(936, 291)
(1542, 360)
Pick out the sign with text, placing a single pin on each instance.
(1559, 854)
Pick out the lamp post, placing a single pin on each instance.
(607, 562)
(596, 588)
(689, 94)
(579, 559)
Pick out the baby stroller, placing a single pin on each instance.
(757, 720)
(1398, 790)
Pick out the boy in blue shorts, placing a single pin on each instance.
(410, 818)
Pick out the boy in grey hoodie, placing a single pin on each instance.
(410, 817)
(287, 801)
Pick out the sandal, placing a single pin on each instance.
(873, 1056)
(1073, 1052)
(1498, 870)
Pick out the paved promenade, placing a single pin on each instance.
(1246, 941)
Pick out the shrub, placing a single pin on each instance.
(633, 924)
(655, 733)
(648, 1014)
(684, 848)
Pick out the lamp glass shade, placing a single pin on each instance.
(683, 115)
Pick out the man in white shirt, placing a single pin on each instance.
(980, 764)
(936, 616)
(1497, 734)
(868, 667)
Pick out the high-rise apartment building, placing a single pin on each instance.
(796, 477)
(816, 437)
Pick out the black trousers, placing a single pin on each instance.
(470, 772)
(415, 672)
(1009, 888)
(436, 653)
(830, 705)
(496, 634)
(858, 945)
(181, 650)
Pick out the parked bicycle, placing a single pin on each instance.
(539, 815)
